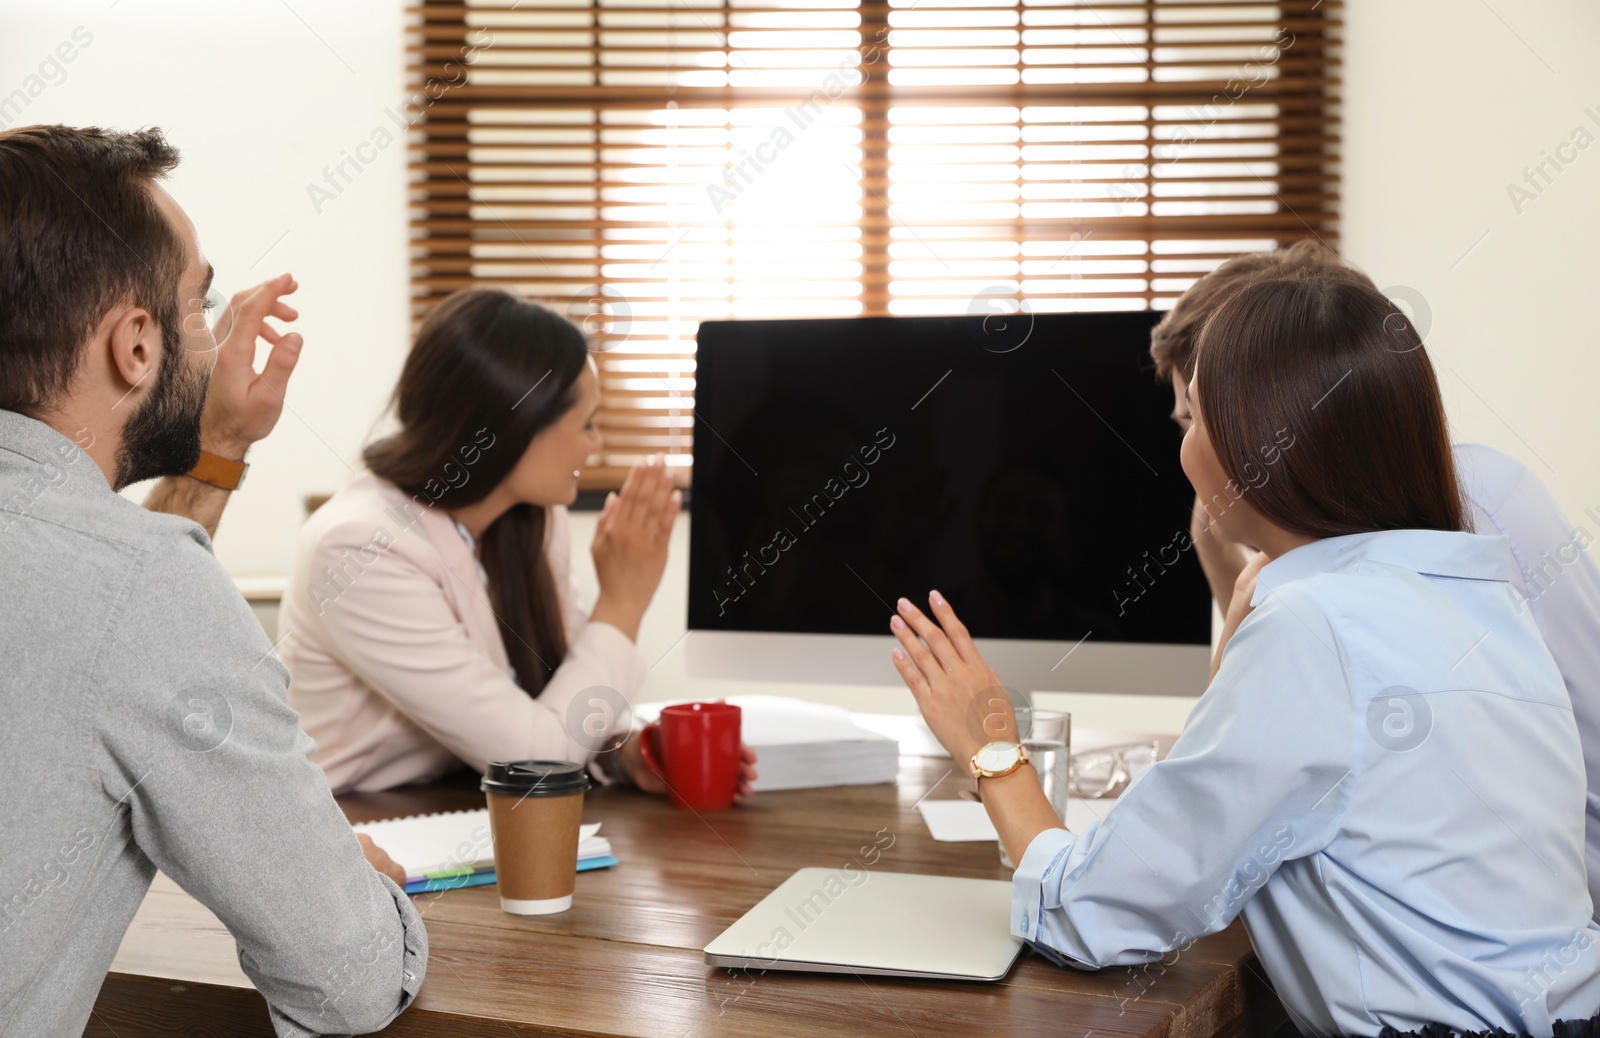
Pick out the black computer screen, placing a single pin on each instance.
(1032, 477)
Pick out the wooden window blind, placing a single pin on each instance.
(643, 165)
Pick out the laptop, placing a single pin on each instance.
(882, 924)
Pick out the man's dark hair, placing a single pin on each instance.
(1172, 342)
(80, 232)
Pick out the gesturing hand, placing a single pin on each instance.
(242, 404)
(960, 696)
(630, 544)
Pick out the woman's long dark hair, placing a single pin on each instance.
(1321, 359)
(489, 371)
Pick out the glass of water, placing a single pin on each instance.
(1049, 744)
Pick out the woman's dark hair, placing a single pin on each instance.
(80, 232)
(1322, 360)
(489, 371)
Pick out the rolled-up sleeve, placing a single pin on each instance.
(201, 747)
(1032, 892)
(1261, 775)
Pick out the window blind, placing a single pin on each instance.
(643, 165)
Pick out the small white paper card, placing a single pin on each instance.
(964, 821)
(957, 821)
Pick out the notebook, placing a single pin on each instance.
(454, 849)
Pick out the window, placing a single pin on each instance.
(643, 165)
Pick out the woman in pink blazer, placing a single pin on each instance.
(430, 618)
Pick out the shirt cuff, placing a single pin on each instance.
(619, 647)
(414, 966)
(1033, 891)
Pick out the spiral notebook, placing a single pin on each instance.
(454, 849)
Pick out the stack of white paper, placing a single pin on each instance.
(802, 745)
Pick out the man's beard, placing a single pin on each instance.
(162, 438)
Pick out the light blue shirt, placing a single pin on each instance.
(1560, 588)
(1384, 779)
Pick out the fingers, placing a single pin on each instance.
(379, 859)
(638, 489)
(248, 310)
(648, 499)
(281, 363)
(664, 501)
(660, 486)
(259, 300)
(252, 304)
(630, 509)
(646, 488)
(747, 773)
(917, 654)
(631, 480)
(648, 480)
(929, 632)
(670, 516)
(955, 630)
(910, 674)
(602, 525)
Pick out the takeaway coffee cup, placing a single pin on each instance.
(535, 810)
(695, 748)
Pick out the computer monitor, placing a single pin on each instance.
(1028, 471)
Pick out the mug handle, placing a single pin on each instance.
(649, 750)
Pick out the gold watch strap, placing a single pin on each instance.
(222, 473)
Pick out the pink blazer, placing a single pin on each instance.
(396, 662)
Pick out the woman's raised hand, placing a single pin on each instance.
(630, 544)
(961, 698)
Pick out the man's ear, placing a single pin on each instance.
(135, 344)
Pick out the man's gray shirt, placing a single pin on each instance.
(145, 727)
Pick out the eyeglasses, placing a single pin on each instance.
(1094, 774)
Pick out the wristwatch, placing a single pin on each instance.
(222, 473)
(607, 760)
(997, 759)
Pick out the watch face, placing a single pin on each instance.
(997, 756)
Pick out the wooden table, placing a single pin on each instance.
(626, 959)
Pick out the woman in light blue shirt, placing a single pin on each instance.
(1384, 778)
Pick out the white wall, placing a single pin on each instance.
(1446, 102)
(258, 103)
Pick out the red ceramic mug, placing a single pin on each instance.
(695, 748)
